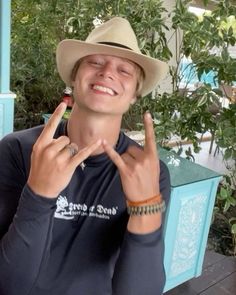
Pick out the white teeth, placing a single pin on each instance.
(104, 89)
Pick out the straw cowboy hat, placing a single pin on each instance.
(114, 37)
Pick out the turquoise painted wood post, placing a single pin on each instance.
(6, 96)
(188, 218)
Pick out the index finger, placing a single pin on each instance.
(114, 156)
(150, 141)
(52, 124)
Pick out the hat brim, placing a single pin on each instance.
(69, 51)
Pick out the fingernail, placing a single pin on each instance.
(62, 105)
(148, 114)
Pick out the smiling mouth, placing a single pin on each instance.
(104, 89)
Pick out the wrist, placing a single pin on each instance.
(148, 206)
(145, 215)
(144, 224)
(42, 192)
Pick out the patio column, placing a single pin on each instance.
(174, 41)
(6, 96)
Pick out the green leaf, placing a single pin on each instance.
(232, 200)
(205, 2)
(230, 131)
(232, 220)
(226, 206)
(233, 229)
(224, 193)
(202, 100)
(228, 154)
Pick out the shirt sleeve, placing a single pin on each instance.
(140, 267)
(24, 246)
(25, 224)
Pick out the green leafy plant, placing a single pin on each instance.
(223, 227)
(213, 33)
(226, 196)
(232, 222)
(226, 139)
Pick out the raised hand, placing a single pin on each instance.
(53, 161)
(139, 169)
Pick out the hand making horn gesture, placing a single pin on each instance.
(139, 168)
(53, 161)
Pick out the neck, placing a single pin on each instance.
(85, 128)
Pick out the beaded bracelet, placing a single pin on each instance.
(147, 209)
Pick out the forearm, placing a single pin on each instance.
(24, 245)
(144, 224)
(139, 269)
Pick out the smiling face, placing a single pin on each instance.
(105, 84)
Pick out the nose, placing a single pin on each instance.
(107, 71)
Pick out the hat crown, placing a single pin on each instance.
(118, 31)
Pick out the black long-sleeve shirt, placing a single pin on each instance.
(77, 243)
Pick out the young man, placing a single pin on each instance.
(65, 188)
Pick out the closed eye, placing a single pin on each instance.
(126, 72)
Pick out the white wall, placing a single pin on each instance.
(173, 40)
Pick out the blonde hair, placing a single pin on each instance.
(140, 79)
(140, 76)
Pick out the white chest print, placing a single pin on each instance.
(69, 211)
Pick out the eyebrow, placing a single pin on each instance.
(130, 62)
